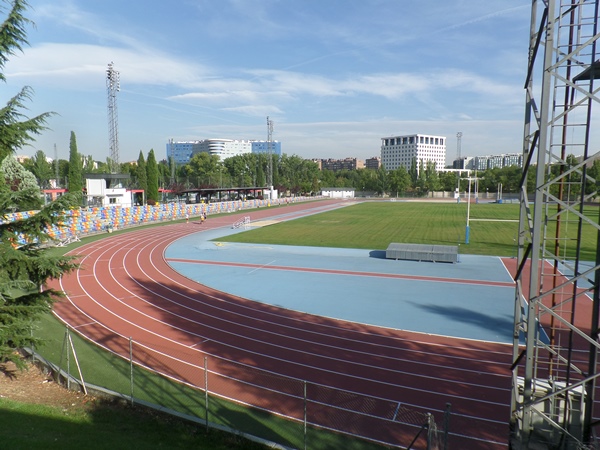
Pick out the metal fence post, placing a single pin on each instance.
(305, 417)
(32, 346)
(206, 391)
(131, 367)
(446, 424)
(68, 339)
(430, 430)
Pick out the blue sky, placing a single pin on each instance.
(335, 76)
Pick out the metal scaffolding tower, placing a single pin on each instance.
(555, 351)
(113, 86)
(270, 154)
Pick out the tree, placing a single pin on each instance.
(140, 173)
(16, 129)
(399, 180)
(41, 168)
(17, 178)
(204, 169)
(152, 177)
(75, 181)
(383, 183)
(88, 164)
(25, 266)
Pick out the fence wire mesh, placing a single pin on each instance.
(248, 400)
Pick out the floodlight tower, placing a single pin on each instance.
(112, 87)
(556, 344)
(270, 155)
(458, 144)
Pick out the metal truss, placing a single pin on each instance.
(555, 351)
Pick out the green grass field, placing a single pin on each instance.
(374, 225)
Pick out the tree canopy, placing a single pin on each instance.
(75, 180)
(25, 265)
(152, 178)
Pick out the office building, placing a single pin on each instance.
(373, 163)
(336, 165)
(399, 151)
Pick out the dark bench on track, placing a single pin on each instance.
(423, 252)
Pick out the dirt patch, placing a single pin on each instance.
(32, 385)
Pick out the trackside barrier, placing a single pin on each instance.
(257, 403)
(83, 222)
(243, 222)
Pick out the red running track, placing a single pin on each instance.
(125, 288)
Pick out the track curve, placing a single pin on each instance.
(126, 289)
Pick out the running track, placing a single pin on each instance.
(125, 288)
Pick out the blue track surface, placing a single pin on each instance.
(438, 304)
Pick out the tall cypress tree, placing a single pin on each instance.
(75, 181)
(140, 172)
(152, 178)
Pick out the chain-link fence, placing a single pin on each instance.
(238, 397)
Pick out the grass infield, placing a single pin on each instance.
(374, 225)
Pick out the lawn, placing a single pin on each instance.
(374, 225)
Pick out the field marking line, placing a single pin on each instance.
(263, 266)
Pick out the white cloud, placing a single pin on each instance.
(84, 66)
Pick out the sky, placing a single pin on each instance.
(334, 76)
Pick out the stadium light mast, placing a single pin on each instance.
(270, 156)
(113, 85)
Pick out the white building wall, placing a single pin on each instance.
(399, 151)
(224, 148)
(96, 189)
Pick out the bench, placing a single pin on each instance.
(423, 252)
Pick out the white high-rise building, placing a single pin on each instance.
(399, 151)
(224, 148)
(182, 151)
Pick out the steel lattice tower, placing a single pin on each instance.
(270, 154)
(555, 351)
(112, 87)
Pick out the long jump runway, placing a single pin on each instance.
(431, 334)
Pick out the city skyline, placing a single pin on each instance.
(334, 79)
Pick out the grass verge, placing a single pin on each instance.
(374, 225)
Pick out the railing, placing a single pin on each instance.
(259, 404)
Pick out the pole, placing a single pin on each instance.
(446, 425)
(206, 391)
(77, 365)
(468, 230)
(131, 367)
(305, 416)
(68, 338)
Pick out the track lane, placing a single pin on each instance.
(144, 284)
